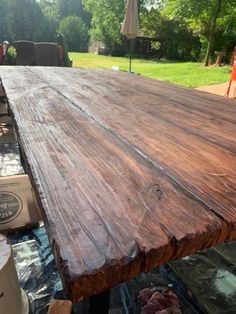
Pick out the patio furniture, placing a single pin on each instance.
(219, 55)
(233, 76)
(1, 53)
(25, 52)
(129, 172)
(48, 54)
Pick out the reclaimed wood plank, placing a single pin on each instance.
(2, 94)
(199, 165)
(200, 112)
(110, 213)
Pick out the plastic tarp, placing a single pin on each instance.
(209, 276)
(40, 279)
(10, 160)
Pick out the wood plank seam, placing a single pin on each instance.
(148, 159)
(152, 187)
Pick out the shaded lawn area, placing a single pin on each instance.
(189, 74)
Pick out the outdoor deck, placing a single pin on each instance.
(129, 172)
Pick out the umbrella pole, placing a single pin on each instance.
(130, 58)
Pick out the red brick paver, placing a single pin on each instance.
(218, 89)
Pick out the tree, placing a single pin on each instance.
(3, 21)
(73, 8)
(23, 19)
(51, 18)
(36, 20)
(107, 16)
(225, 35)
(28, 20)
(213, 20)
(75, 32)
(175, 40)
(202, 16)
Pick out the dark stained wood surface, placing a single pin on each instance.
(130, 172)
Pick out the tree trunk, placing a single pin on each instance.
(212, 32)
(140, 3)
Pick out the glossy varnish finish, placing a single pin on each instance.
(130, 172)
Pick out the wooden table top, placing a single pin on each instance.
(130, 172)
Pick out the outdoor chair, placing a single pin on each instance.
(25, 52)
(48, 54)
(1, 53)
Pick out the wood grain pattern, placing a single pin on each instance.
(207, 167)
(60, 307)
(123, 185)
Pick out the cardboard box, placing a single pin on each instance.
(6, 121)
(3, 108)
(2, 94)
(7, 134)
(18, 206)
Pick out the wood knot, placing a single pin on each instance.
(152, 194)
(157, 190)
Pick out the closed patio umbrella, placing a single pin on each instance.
(130, 27)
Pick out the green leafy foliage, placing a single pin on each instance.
(4, 8)
(75, 32)
(207, 18)
(175, 40)
(107, 16)
(61, 42)
(21, 19)
(74, 8)
(10, 58)
(50, 21)
(39, 20)
(183, 29)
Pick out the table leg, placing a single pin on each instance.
(99, 304)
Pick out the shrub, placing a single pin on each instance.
(10, 58)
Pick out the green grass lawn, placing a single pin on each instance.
(189, 74)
